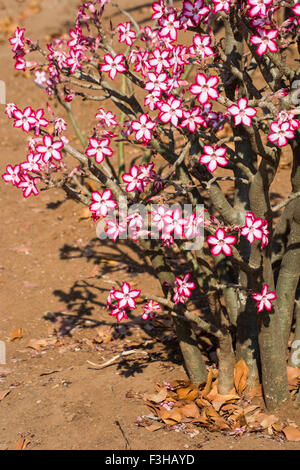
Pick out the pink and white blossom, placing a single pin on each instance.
(242, 113)
(113, 65)
(264, 299)
(205, 88)
(221, 242)
(99, 149)
(213, 157)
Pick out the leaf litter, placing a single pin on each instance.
(182, 406)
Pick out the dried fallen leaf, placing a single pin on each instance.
(104, 334)
(21, 444)
(240, 376)
(293, 375)
(187, 393)
(208, 385)
(16, 334)
(291, 433)
(157, 397)
(265, 420)
(39, 344)
(170, 416)
(4, 394)
(190, 411)
(154, 427)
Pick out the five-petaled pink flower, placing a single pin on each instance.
(253, 228)
(143, 128)
(12, 175)
(205, 88)
(50, 149)
(99, 149)
(242, 113)
(170, 111)
(184, 287)
(113, 65)
(103, 203)
(133, 181)
(28, 185)
(126, 296)
(265, 41)
(213, 157)
(126, 34)
(280, 133)
(24, 119)
(221, 243)
(264, 299)
(17, 40)
(149, 310)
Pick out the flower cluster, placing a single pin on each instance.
(119, 301)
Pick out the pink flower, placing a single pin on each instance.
(264, 299)
(179, 298)
(126, 296)
(265, 235)
(280, 133)
(33, 163)
(265, 41)
(259, 7)
(10, 108)
(221, 243)
(204, 88)
(75, 35)
(24, 119)
(296, 9)
(159, 10)
(40, 121)
(175, 223)
(17, 39)
(252, 229)
(133, 181)
(213, 157)
(102, 203)
(106, 117)
(50, 149)
(201, 46)
(114, 229)
(126, 34)
(113, 65)
(159, 60)
(184, 287)
(242, 113)
(192, 119)
(156, 82)
(221, 5)
(170, 25)
(119, 314)
(99, 149)
(143, 128)
(160, 216)
(12, 175)
(74, 60)
(195, 11)
(170, 111)
(149, 310)
(28, 185)
(191, 229)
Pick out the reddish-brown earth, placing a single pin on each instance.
(54, 280)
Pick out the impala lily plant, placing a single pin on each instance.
(208, 93)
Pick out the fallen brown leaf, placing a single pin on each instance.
(291, 433)
(240, 376)
(187, 393)
(154, 427)
(293, 375)
(16, 334)
(170, 417)
(190, 411)
(157, 397)
(4, 394)
(39, 344)
(21, 444)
